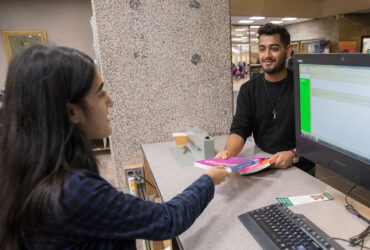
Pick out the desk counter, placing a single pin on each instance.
(218, 226)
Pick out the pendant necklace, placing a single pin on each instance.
(270, 99)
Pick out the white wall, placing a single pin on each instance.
(322, 28)
(67, 23)
(348, 28)
(297, 8)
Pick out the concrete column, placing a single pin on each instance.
(166, 64)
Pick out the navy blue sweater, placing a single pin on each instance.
(97, 216)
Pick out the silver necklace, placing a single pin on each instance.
(274, 107)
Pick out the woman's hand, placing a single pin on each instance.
(217, 174)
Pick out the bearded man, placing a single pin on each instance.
(265, 105)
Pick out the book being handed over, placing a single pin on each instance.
(262, 164)
(231, 164)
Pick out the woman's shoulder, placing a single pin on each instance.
(81, 174)
(83, 186)
(82, 179)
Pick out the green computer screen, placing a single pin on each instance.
(335, 106)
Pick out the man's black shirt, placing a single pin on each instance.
(254, 113)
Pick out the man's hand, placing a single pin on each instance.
(283, 159)
(223, 154)
(234, 145)
(217, 174)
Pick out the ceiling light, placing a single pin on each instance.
(252, 32)
(254, 39)
(255, 26)
(238, 34)
(276, 22)
(245, 37)
(235, 50)
(246, 21)
(243, 29)
(289, 18)
(237, 39)
(257, 17)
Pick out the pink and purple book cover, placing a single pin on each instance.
(262, 164)
(232, 164)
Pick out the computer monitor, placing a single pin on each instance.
(332, 112)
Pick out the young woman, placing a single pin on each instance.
(51, 194)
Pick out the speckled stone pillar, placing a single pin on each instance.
(166, 65)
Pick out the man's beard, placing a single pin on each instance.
(279, 67)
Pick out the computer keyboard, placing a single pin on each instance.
(277, 227)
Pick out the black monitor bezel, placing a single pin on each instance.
(343, 164)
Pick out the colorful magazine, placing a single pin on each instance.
(231, 164)
(262, 164)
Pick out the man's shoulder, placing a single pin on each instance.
(290, 74)
(252, 83)
(290, 78)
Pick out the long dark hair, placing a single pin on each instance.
(39, 145)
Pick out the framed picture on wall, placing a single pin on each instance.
(295, 47)
(15, 40)
(365, 44)
(347, 46)
(310, 47)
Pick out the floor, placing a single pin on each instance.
(236, 86)
(238, 82)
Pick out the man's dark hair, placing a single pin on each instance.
(272, 29)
